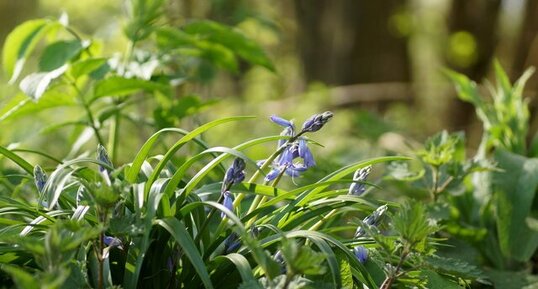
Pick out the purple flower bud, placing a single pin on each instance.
(102, 156)
(260, 163)
(113, 242)
(235, 174)
(228, 202)
(280, 121)
(317, 121)
(272, 175)
(361, 253)
(371, 220)
(232, 243)
(360, 175)
(40, 178)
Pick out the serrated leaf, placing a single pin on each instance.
(35, 84)
(437, 281)
(453, 266)
(59, 53)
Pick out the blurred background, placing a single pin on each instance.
(376, 64)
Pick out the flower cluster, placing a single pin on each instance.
(296, 147)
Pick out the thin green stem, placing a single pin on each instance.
(89, 113)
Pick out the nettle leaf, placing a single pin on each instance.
(232, 39)
(514, 189)
(35, 84)
(437, 281)
(21, 42)
(59, 53)
(454, 267)
(119, 86)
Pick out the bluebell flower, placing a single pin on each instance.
(113, 242)
(273, 174)
(295, 170)
(227, 202)
(360, 175)
(316, 122)
(371, 220)
(305, 153)
(282, 122)
(361, 253)
(40, 178)
(232, 243)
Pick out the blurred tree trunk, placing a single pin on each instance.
(527, 47)
(348, 42)
(479, 18)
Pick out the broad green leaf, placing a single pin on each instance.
(87, 66)
(190, 45)
(21, 42)
(230, 38)
(59, 53)
(119, 86)
(184, 240)
(514, 189)
(21, 105)
(35, 84)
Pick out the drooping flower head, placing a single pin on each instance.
(371, 220)
(40, 178)
(360, 175)
(361, 253)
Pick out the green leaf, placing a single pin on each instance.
(35, 84)
(453, 267)
(242, 265)
(437, 281)
(119, 86)
(21, 105)
(514, 189)
(87, 66)
(231, 39)
(183, 238)
(21, 42)
(21, 278)
(18, 160)
(59, 53)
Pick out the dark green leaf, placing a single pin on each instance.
(59, 53)
(119, 86)
(514, 189)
